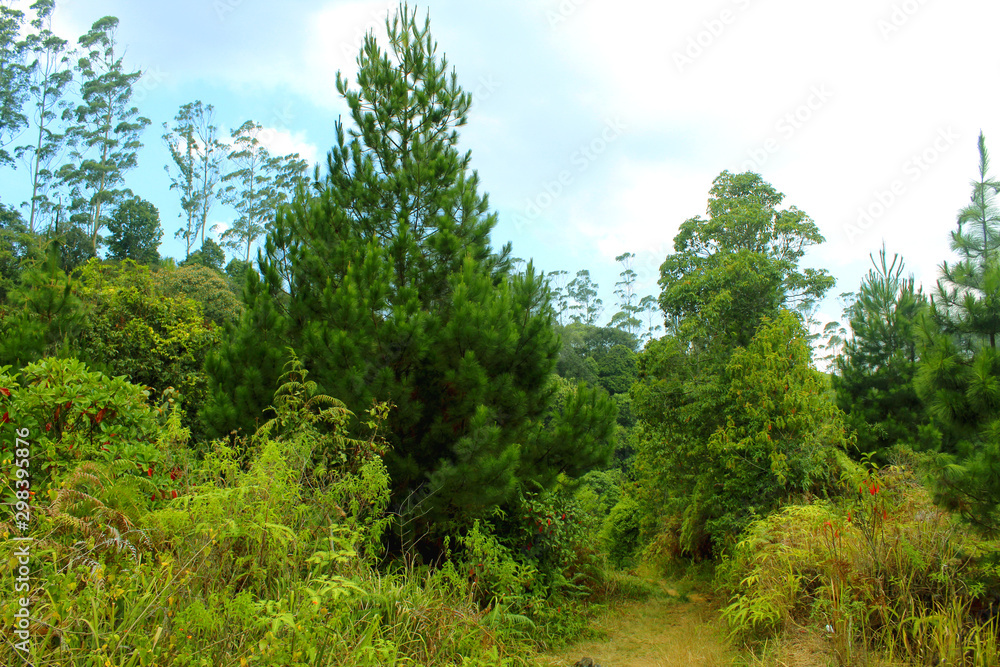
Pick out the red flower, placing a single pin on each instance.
(150, 471)
(874, 488)
(173, 494)
(5, 418)
(5, 391)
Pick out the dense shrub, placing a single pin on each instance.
(882, 569)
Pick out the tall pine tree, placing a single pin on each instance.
(959, 374)
(386, 285)
(875, 371)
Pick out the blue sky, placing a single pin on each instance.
(599, 125)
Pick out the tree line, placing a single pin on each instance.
(69, 125)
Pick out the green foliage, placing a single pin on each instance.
(237, 271)
(259, 184)
(13, 79)
(627, 317)
(740, 264)
(385, 283)
(584, 304)
(882, 568)
(959, 362)
(245, 365)
(135, 331)
(875, 372)
(734, 419)
(204, 285)
(621, 532)
(559, 299)
(602, 356)
(18, 249)
(735, 445)
(267, 560)
(44, 315)
(536, 563)
(76, 415)
(135, 231)
(196, 153)
(50, 73)
(74, 245)
(210, 255)
(980, 239)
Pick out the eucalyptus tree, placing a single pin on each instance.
(196, 153)
(13, 78)
(257, 185)
(627, 318)
(50, 75)
(105, 137)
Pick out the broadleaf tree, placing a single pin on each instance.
(627, 318)
(135, 231)
(585, 306)
(729, 290)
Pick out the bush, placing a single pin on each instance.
(881, 568)
(621, 532)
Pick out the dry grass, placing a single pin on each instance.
(661, 631)
(806, 648)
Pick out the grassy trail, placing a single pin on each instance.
(664, 630)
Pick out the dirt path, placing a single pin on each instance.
(662, 631)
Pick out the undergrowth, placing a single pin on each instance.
(266, 552)
(881, 574)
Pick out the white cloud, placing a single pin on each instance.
(284, 142)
